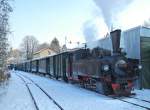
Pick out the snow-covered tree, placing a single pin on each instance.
(5, 9)
(15, 56)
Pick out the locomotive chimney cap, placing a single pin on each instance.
(117, 30)
(115, 37)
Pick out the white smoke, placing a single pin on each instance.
(94, 29)
(89, 31)
(108, 16)
(111, 8)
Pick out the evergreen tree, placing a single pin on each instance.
(55, 45)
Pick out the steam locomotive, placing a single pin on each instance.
(102, 70)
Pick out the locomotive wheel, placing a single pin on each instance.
(56, 77)
(70, 82)
(99, 87)
(65, 79)
(103, 88)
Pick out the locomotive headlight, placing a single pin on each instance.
(106, 67)
(140, 67)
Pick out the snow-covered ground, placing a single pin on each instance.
(15, 96)
(143, 94)
(43, 102)
(70, 97)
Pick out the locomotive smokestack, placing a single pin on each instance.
(115, 37)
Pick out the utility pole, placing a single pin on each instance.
(65, 40)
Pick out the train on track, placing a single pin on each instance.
(107, 72)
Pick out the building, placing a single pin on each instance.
(137, 46)
(44, 52)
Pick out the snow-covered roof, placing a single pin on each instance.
(44, 49)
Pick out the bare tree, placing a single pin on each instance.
(29, 46)
(55, 45)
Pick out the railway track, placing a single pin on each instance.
(139, 99)
(37, 108)
(123, 100)
(133, 103)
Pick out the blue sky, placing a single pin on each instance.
(46, 19)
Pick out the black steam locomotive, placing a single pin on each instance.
(105, 71)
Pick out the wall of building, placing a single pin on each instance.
(43, 53)
(145, 61)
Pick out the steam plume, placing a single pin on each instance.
(110, 9)
(89, 31)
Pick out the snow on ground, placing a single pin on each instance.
(145, 104)
(71, 97)
(15, 96)
(43, 102)
(143, 94)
